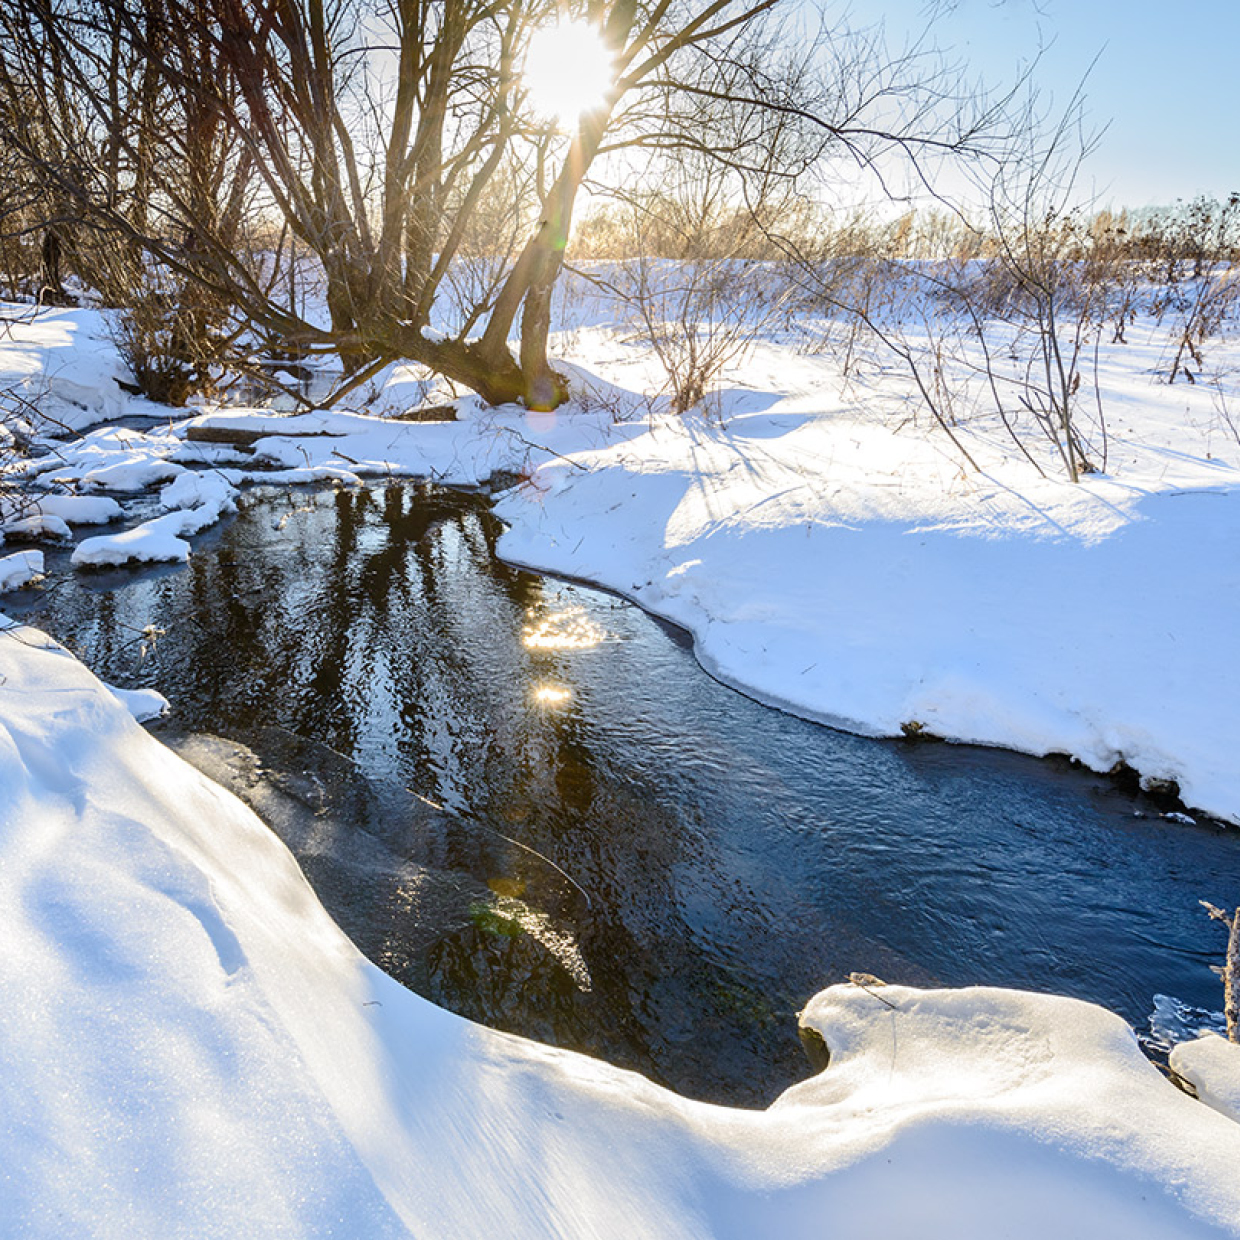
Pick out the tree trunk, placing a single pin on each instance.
(52, 290)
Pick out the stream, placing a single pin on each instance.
(524, 799)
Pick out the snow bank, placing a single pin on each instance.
(212, 490)
(152, 542)
(189, 1046)
(1211, 1065)
(346, 446)
(143, 704)
(64, 363)
(19, 569)
(833, 567)
(128, 477)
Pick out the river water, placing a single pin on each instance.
(523, 798)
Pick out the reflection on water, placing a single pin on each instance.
(525, 800)
(551, 695)
(570, 629)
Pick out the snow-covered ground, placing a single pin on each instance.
(825, 543)
(189, 1046)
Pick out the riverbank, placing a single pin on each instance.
(190, 1044)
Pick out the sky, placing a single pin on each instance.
(1165, 85)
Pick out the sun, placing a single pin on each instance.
(568, 70)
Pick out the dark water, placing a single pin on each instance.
(594, 843)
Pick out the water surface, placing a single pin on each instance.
(524, 799)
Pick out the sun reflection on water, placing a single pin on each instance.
(571, 629)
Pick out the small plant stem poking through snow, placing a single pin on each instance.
(1230, 970)
(867, 982)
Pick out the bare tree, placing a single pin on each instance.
(376, 136)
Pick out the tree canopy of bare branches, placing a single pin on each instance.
(388, 140)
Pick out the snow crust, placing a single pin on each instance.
(189, 1046)
(1211, 1065)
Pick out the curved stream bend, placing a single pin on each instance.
(523, 798)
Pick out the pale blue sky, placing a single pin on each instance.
(1167, 80)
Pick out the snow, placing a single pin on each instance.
(114, 459)
(362, 446)
(189, 1046)
(76, 509)
(125, 477)
(823, 541)
(197, 501)
(839, 570)
(152, 542)
(201, 490)
(64, 363)
(143, 704)
(1211, 1065)
(37, 525)
(19, 569)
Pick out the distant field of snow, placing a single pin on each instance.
(189, 1046)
